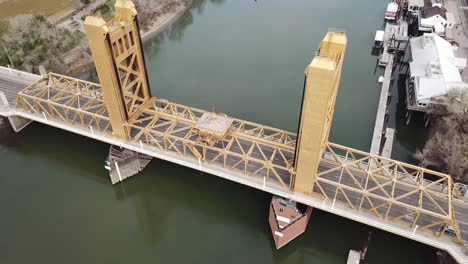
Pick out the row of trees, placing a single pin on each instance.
(33, 40)
(447, 147)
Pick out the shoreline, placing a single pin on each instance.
(159, 26)
(167, 20)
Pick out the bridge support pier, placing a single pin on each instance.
(3, 123)
(287, 220)
(16, 122)
(123, 163)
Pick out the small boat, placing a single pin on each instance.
(378, 39)
(391, 13)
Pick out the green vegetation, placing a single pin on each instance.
(33, 40)
(447, 147)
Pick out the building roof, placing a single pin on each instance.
(428, 12)
(416, 3)
(434, 66)
(392, 7)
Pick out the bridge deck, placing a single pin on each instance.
(371, 186)
(12, 82)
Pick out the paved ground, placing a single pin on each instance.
(69, 24)
(460, 31)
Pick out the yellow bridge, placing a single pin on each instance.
(407, 200)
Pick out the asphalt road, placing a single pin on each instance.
(264, 153)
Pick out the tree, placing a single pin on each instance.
(33, 40)
(447, 147)
(147, 12)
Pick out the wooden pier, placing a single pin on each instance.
(382, 138)
(395, 39)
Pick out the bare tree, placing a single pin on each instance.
(147, 12)
(447, 147)
(33, 40)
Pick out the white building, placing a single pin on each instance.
(414, 6)
(433, 19)
(434, 71)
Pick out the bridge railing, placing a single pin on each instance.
(388, 189)
(457, 193)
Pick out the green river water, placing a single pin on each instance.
(243, 58)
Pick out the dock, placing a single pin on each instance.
(395, 38)
(381, 137)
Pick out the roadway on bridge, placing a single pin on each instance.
(12, 86)
(460, 208)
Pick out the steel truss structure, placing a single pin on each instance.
(129, 63)
(387, 189)
(73, 101)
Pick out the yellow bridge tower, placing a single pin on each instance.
(321, 87)
(322, 78)
(118, 55)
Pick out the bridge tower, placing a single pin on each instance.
(118, 55)
(117, 51)
(322, 78)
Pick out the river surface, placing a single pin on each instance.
(243, 58)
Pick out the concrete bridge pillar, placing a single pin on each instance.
(287, 220)
(123, 163)
(16, 122)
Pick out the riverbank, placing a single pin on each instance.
(164, 22)
(79, 61)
